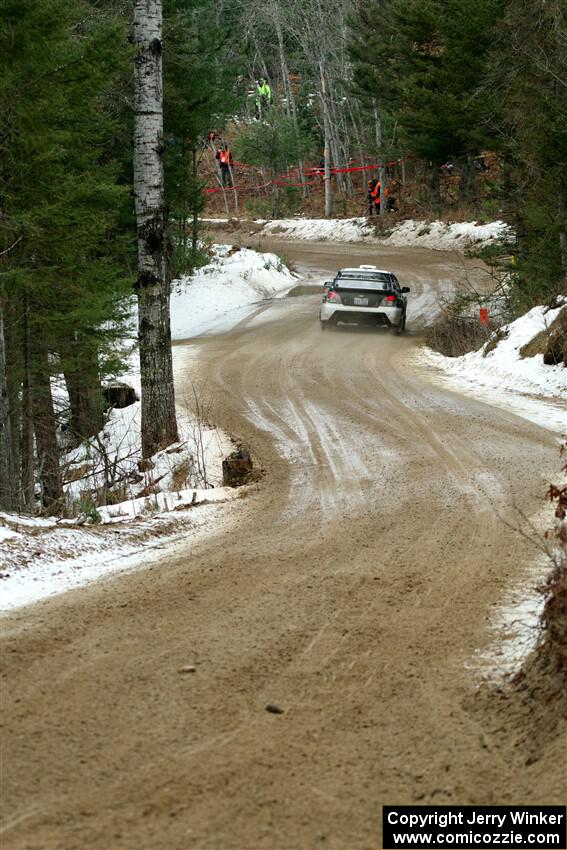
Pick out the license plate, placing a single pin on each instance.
(360, 302)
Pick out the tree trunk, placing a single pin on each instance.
(291, 108)
(45, 430)
(562, 232)
(8, 480)
(195, 217)
(82, 379)
(381, 169)
(326, 152)
(27, 446)
(334, 137)
(275, 197)
(13, 357)
(436, 189)
(159, 425)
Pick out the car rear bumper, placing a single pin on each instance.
(367, 315)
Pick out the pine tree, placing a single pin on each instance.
(63, 230)
(526, 96)
(272, 144)
(199, 78)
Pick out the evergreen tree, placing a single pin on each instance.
(62, 281)
(272, 144)
(199, 75)
(526, 94)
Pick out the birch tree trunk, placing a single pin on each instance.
(326, 152)
(381, 170)
(159, 425)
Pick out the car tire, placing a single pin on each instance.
(324, 325)
(402, 325)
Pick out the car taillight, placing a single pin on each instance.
(390, 299)
(333, 296)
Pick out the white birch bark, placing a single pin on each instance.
(326, 152)
(159, 426)
(382, 169)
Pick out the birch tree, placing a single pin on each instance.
(159, 425)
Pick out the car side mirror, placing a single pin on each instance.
(406, 289)
(328, 284)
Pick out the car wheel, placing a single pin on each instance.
(324, 325)
(402, 325)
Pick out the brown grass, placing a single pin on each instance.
(551, 342)
(454, 337)
(497, 337)
(180, 475)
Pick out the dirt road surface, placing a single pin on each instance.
(352, 589)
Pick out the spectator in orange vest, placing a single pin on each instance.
(370, 195)
(224, 157)
(375, 194)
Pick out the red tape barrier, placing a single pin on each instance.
(309, 172)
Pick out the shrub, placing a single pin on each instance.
(454, 336)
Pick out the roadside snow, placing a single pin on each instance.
(41, 557)
(446, 236)
(219, 295)
(515, 623)
(57, 558)
(321, 229)
(501, 377)
(114, 457)
(436, 235)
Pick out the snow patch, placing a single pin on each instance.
(321, 229)
(41, 557)
(501, 377)
(222, 293)
(436, 235)
(61, 558)
(447, 236)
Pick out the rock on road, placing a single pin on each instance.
(349, 592)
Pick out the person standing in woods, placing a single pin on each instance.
(224, 157)
(263, 97)
(370, 196)
(374, 197)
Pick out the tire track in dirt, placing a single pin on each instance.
(351, 588)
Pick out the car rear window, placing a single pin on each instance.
(363, 280)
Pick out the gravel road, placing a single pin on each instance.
(351, 589)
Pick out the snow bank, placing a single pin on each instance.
(444, 236)
(115, 455)
(436, 235)
(221, 293)
(40, 557)
(321, 229)
(504, 378)
(52, 557)
(43, 556)
(515, 625)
